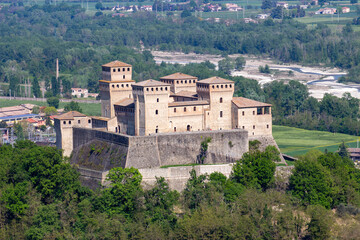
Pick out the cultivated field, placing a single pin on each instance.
(296, 141)
(90, 109)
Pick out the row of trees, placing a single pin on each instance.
(31, 38)
(41, 198)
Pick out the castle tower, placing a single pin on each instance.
(64, 129)
(115, 86)
(180, 82)
(219, 92)
(151, 100)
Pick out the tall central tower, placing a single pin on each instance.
(115, 86)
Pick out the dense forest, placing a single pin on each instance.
(32, 37)
(41, 198)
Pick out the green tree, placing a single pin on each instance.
(256, 169)
(240, 63)
(321, 223)
(311, 183)
(186, 13)
(123, 195)
(53, 102)
(226, 65)
(343, 152)
(159, 202)
(36, 110)
(50, 111)
(353, 1)
(73, 106)
(99, 6)
(36, 88)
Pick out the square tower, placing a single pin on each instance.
(180, 82)
(115, 86)
(219, 92)
(151, 99)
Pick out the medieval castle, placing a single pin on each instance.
(155, 123)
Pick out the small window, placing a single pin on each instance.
(157, 100)
(225, 86)
(127, 85)
(213, 86)
(128, 69)
(123, 76)
(267, 126)
(243, 127)
(165, 88)
(78, 121)
(114, 70)
(156, 112)
(118, 69)
(161, 89)
(174, 129)
(230, 86)
(253, 126)
(221, 114)
(253, 112)
(147, 89)
(222, 86)
(243, 113)
(193, 81)
(69, 122)
(64, 122)
(117, 85)
(174, 109)
(89, 121)
(181, 81)
(157, 89)
(217, 86)
(194, 109)
(259, 111)
(152, 89)
(113, 85)
(221, 100)
(177, 82)
(184, 109)
(185, 81)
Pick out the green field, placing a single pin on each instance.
(296, 141)
(90, 109)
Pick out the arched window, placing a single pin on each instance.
(156, 112)
(221, 100)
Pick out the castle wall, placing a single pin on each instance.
(160, 149)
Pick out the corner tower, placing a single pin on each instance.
(219, 92)
(151, 99)
(115, 86)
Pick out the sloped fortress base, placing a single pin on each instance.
(101, 150)
(96, 152)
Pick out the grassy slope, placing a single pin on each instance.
(295, 141)
(91, 109)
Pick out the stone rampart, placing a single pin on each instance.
(158, 150)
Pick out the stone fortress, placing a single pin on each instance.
(152, 123)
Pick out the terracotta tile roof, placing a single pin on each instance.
(126, 102)
(188, 103)
(178, 76)
(69, 115)
(184, 94)
(31, 120)
(121, 81)
(116, 64)
(215, 80)
(150, 83)
(242, 102)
